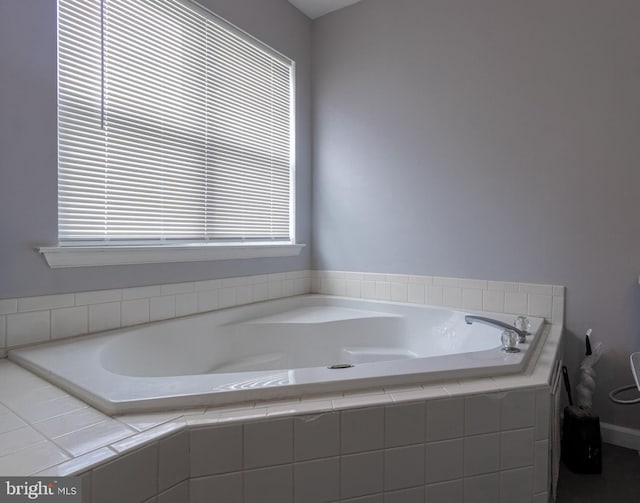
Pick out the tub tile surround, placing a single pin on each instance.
(32, 320)
(317, 439)
(55, 434)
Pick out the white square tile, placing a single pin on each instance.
(435, 295)
(541, 466)
(10, 422)
(368, 289)
(208, 300)
(98, 297)
(186, 304)
(482, 489)
(404, 424)
(361, 474)
(399, 292)
(534, 289)
(557, 310)
(162, 308)
(482, 414)
(472, 299)
(516, 485)
(177, 494)
(413, 495)
(362, 430)
(445, 419)
(8, 306)
(518, 409)
(227, 457)
(79, 464)
(446, 282)
(269, 485)
(93, 437)
(228, 297)
(444, 460)
(383, 290)
(142, 292)
(69, 422)
(404, 467)
(173, 460)
(503, 286)
(416, 293)
(209, 284)
(18, 439)
(540, 305)
(135, 312)
(274, 289)
(27, 328)
(45, 302)
(481, 454)
(227, 488)
(517, 448)
(353, 288)
(133, 477)
(449, 492)
(40, 410)
(317, 481)
(69, 321)
(452, 296)
(268, 443)
(3, 332)
(515, 303)
(543, 405)
(245, 293)
(316, 436)
(176, 288)
(493, 301)
(104, 316)
(32, 460)
(474, 284)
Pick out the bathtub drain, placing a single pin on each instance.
(340, 366)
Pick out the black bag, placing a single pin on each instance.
(581, 441)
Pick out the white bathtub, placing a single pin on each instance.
(273, 349)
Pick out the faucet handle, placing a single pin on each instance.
(523, 324)
(509, 341)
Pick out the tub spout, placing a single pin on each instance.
(522, 334)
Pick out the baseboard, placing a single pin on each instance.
(620, 435)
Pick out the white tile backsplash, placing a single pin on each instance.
(70, 321)
(45, 302)
(135, 312)
(8, 306)
(186, 304)
(28, 328)
(104, 316)
(98, 297)
(472, 299)
(376, 444)
(162, 308)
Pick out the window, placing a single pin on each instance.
(173, 128)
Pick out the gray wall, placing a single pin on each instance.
(492, 139)
(28, 168)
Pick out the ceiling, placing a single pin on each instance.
(317, 8)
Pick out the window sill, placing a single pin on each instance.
(90, 256)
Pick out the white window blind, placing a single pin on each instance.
(173, 126)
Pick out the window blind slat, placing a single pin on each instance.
(171, 125)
